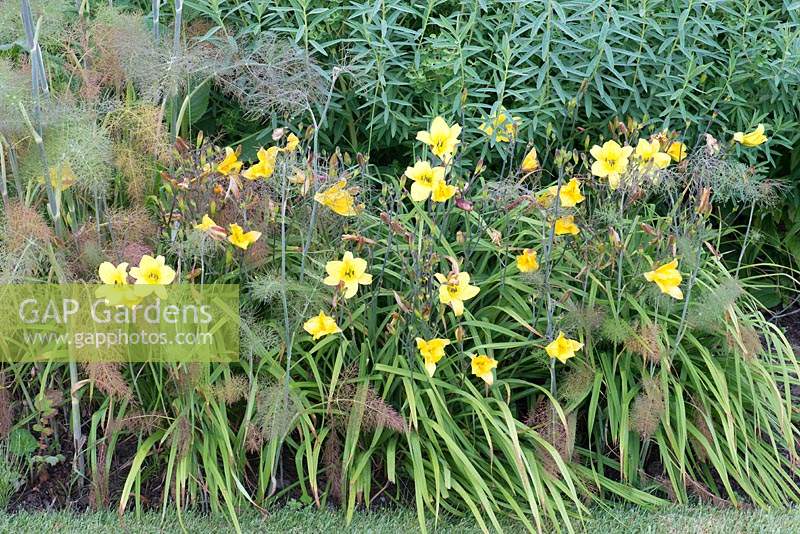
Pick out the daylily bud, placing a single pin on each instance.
(648, 229)
(495, 236)
(391, 327)
(460, 334)
(460, 239)
(480, 167)
(614, 237)
(704, 205)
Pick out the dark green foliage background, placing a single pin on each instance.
(694, 66)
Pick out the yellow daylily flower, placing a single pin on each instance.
(60, 178)
(454, 290)
(152, 271)
(530, 162)
(321, 326)
(441, 138)
(349, 272)
(265, 166)
(667, 278)
(231, 163)
(566, 225)
(113, 275)
(115, 291)
(650, 155)
(423, 176)
(503, 124)
(677, 151)
(563, 348)
(527, 261)
(482, 366)
(431, 351)
(754, 138)
(119, 295)
(292, 142)
(208, 226)
(242, 239)
(569, 196)
(441, 191)
(611, 161)
(338, 199)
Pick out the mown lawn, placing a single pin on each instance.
(684, 520)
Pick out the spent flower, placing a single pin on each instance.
(527, 261)
(209, 227)
(566, 225)
(338, 199)
(530, 162)
(265, 166)
(231, 163)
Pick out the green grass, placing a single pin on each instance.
(293, 519)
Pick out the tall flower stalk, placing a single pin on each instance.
(39, 88)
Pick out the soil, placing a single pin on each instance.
(790, 322)
(54, 487)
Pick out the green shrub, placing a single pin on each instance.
(694, 67)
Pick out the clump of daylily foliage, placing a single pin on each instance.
(520, 354)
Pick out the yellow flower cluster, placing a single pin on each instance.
(149, 276)
(611, 160)
(432, 351)
(428, 181)
(503, 128)
(230, 165)
(237, 237)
